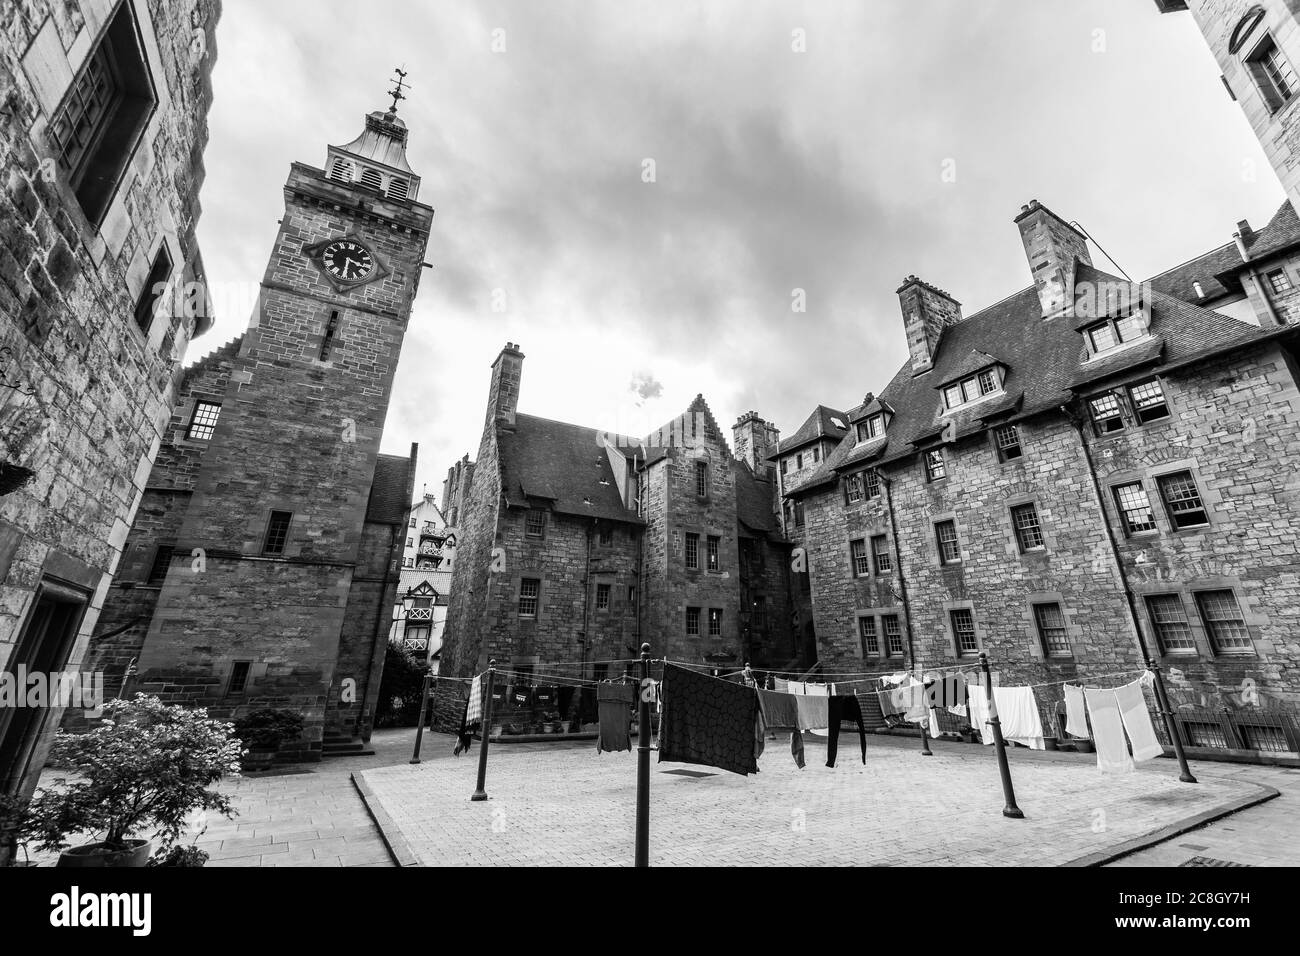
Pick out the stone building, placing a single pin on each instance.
(263, 563)
(103, 124)
(1084, 460)
(576, 545)
(427, 560)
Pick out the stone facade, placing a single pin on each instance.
(92, 231)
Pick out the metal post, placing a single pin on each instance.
(419, 727)
(643, 764)
(925, 722)
(481, 793)
(1171, 725)
(1010, 810)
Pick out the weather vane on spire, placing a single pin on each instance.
(396, 92)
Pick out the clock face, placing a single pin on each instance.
(347, 261)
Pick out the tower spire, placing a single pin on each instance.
(396, 92)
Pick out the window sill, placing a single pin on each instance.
(1116, 350)
(967, 406)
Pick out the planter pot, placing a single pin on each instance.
(257, 760)
(1049, 743)
(98, 855)
(1083, 746)
(495, 731)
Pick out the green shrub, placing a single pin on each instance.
(268, 728)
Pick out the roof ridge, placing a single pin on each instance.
(1188, 262)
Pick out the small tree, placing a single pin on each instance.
(268, 728)
(400, 687)
(147, 766)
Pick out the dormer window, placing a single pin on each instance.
(983, 382)
(869, 429)
(1111, 334)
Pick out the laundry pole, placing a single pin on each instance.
(643, 762)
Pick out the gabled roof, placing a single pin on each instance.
(1281, 233)
(821, 423)
(564, 464)
(388, 490)
(974, 361)
(1044, 359)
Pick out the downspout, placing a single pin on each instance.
(1162, 699)
(1254, 277)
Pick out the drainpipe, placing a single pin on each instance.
(1162, 698)
(1254, 276)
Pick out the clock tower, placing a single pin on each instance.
(283, 567)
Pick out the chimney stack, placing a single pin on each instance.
(503, 396)
(753, 440)
(1054, 249)
(927, 311)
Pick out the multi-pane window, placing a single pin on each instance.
(692, 622)
(893, 635)
(692, 550)
(935, 466)
(1272, 74)
(162, 559)
(945, 533)
(606, 536)
(969, 389)
(715, 622)
(816, 454)
(858, 555)
(331, 330)
(880, 553)
(1278, 281)
(853, 488)
(867, 635)
(701, 479)
(1169, 619)
(602, 597)
(410, 542)
(798, 514)
(963, 630)
(1007, 440)
(204, 420)
(798, 461)
(153, 293)
(277, 532)
(535, 523)
(871, 428)
(1114, 332)
(1223, 620)
(238, 677)
(1029, 533)
(712, 546)
(1148, 400)
(1135, 508)
(785, 466)
(871, 483)
(760, 613)
(529, 591)
(1106, 414)
(1051, 630)
(1182, 500)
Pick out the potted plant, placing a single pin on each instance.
(143, 770)
(262, 732)
(1082, 744)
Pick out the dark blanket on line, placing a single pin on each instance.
(708, 721)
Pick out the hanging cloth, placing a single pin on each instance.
(708, 721)
(1076, 718)
(949, 691)
(842, 707)
(782, 685)
(781, 712)
(474, 712)
(816, 690)
(1107, 731)
(614, 711)
(814, 712)
(1018, 711)
(1137, 721)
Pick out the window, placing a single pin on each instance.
(935, 467)
(238, 678)
(1006, 438)
(535, 523)
(1222, 617)
(1272, 74)
(96, 128)
(712, 546)
(701, 479)
(893, 635)
(631, 596)
(412, 522)
(798, 513)
(602, 597)
(1051, 630)
(715, 622)
(971, 388)
(692, 622)
(963, 629)
(1278, 281)
(408, 562)
(880, 554)
(530, 590)
(760, 613)
(816, 454)
(1148, 400)
(606, 536)
(397, 188)
(410, 542)
(798, 461)
(785, 465)
(1182, 501)
(153, 293)
(162, 559)
(203, 422)
(871, 428)
(858, 557)
(872, 483)
(692, 550)
(1106, 415)
(327, 340)
(277, 532)
(370, 177)
(1135, 508)
(867, 635)
(945, 533)
(1029, 533)
(1112, 333)
(853, 488)
(1170, 623)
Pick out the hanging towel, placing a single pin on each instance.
(1107, 731)
(887, 706)
(1018, 712)
(1137, 721)
(474, 713)
(465, 736)
(840, 708)
(1076, 719)
(814, 712)
(781, 712)
(782, 685)
(934, 723)
(614, 711)
(708, 721)
(816, 690)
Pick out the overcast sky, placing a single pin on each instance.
(775, 170)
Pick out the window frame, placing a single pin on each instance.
(278, 550)
(957, 633)
(541, 523)
(941, 541)
(535, 598)
(602, 596)
(1257, 61)
(1161, 483)
(1222, 649)
(1021, 530)
(1099, 420)
(701, 480)
(973, 387)
(691, 550)
(1123, 511)
(715, 622)
(887, 565)
(1066, 649)
(1274, 286)
(874, 426)
(868, 632)
(713, 553)
(936, 465)
(201, 405)
(692, 620)
(1157, 625)
(1003, 449)
(859, 559)
(888, 636)
(1135, 403)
